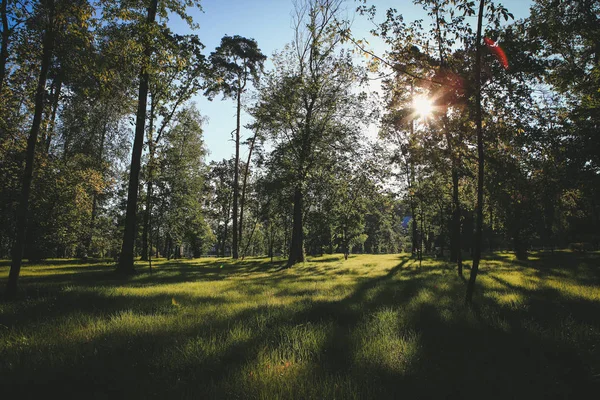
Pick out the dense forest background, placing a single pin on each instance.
(488, 136)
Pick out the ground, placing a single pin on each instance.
(368, 327)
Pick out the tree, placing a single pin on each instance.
(180, 66)
(495, 13)
(235, 62)
(220, 178)
(180, 185)
(125, 265)
(307, 105)
(53, 15)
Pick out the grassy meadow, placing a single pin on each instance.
(373, 326)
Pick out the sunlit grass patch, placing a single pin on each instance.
(366, 327)
(384, 342)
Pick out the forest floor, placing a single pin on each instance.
(373, 326)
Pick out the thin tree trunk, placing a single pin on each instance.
(455, 254)
(146, 223)
(249, 240)
(23, 207)
(236, 177)
(410, 178)
(346, 244)
(421, 238)
(225, 230)
(169, 247)
(55, 100)
(456, 231)
(95, 196)
(150, 241)
(491, 226)
(480, 161)
(296, 249)
(271, 240)
(285, 234)
(125, 265)
(144, 255)
(146, 228)
(4, 46)
(244, 183)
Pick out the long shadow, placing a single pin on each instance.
(164, 273)
(326, 259)
(460, 357)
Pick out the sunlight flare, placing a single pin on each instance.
(422, 106)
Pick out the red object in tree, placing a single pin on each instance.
(497, 50)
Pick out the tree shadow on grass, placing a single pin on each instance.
(486, 352)
(49, 279)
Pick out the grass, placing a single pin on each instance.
(369, 327)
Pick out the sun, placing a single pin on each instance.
(422, 106)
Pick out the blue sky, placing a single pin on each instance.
(269, 23)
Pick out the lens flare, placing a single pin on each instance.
(422, 106)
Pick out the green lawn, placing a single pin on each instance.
(369, 327)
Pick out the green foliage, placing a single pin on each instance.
(180, 183)
(236, 61)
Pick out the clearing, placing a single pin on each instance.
(369, 327)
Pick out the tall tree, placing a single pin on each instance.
(235, 62)
(54, 17)
(125, 265)
(308, 105)
(48, 11)
(180, 66)
(4, 43)
(480, 158)
(180, 184)
(148, 30)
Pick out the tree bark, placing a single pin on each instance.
(297, 246)
(4, 46)
(225, 229)
(456, 231)
(236, 178)
(144, 255)
(271, 239)
(55, 101)
(480, 161)
(23, 207)
(245, 180)
(125, 265)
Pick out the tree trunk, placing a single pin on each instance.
(4, 46)
(456, 231)
(95, 196)
(146, 229)
(244, 252)
(520, 247)
(23, 207)
(271, 237)
(421, 237)
(125, 265)
(144, 255)
(236, 178)
(227, 214)
(410, 178)
(345, 245)
(245, 180)
(480, 161)
(55, 100)
(297, 247)
(169, 247)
